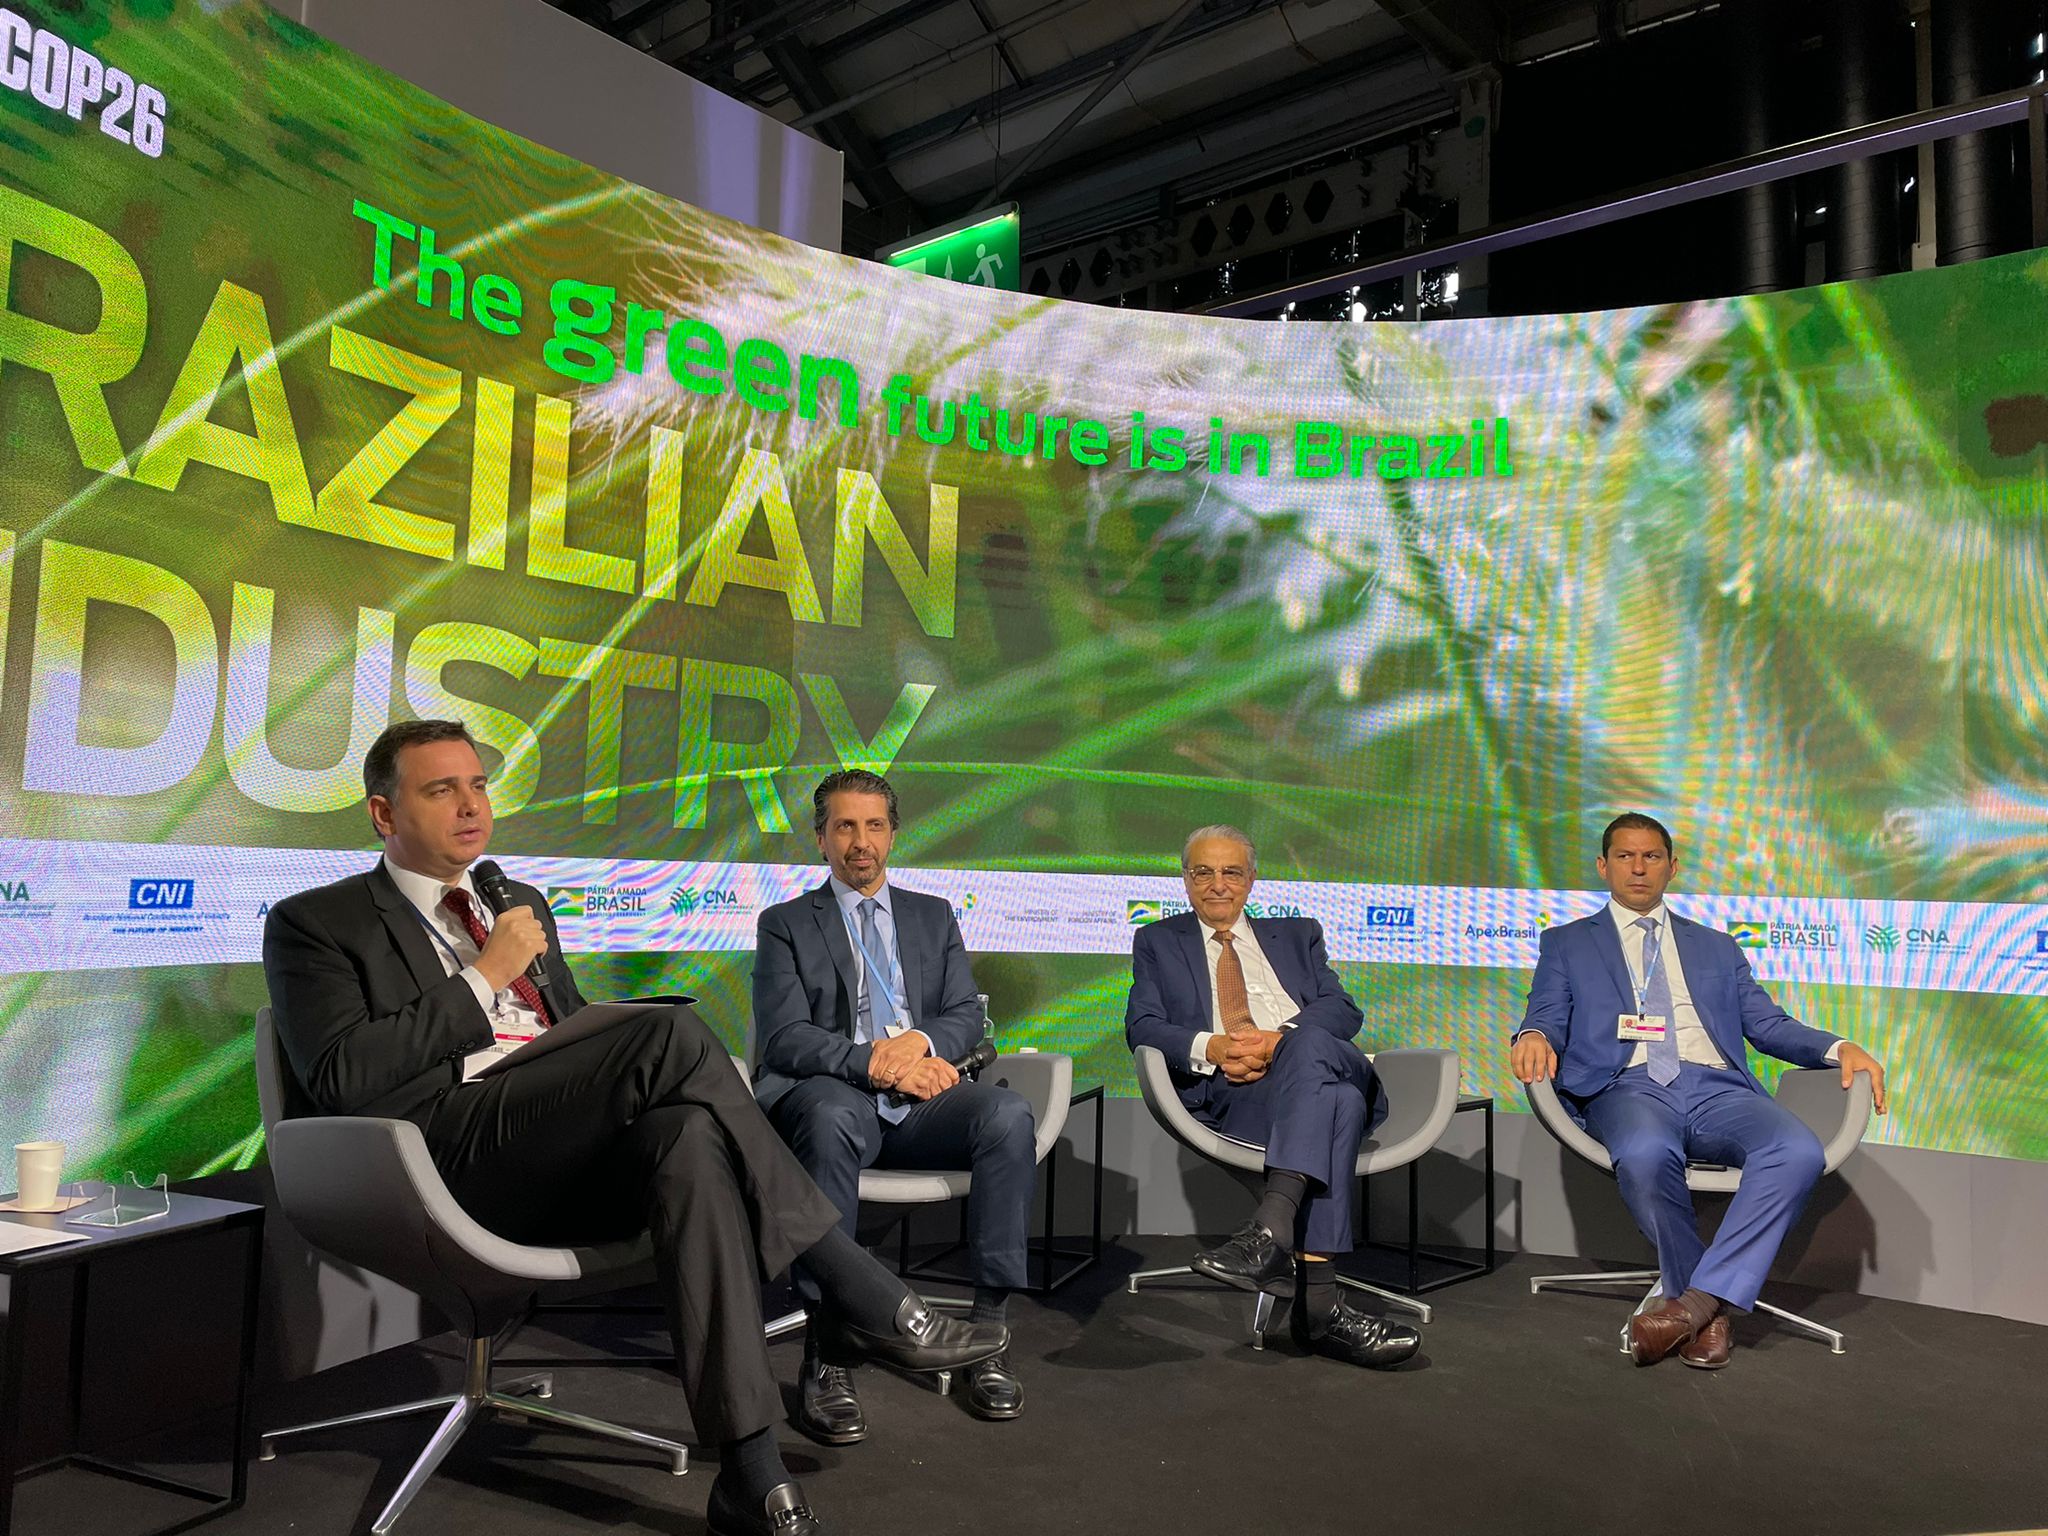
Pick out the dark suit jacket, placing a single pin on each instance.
(368, 1018)
(1170, 1001)
(1582, 987)
(806, 982)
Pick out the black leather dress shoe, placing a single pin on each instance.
(828, 1409)
(993, 1390)
(922, 1340)
(782, 1513)
(1251, 1259)
(1356, 1337)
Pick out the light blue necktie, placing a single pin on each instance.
(1663, 1054)
(873, 1025)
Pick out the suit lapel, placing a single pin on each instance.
(832, 927)
(402, 921)
(1607, 940)
(909, 952)
(1691, 940)
(1193, 937)
(1275, 943)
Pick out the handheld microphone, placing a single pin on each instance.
(967, 1064)
(497, 895)
(971, 1063)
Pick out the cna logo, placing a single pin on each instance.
(159, 895)
(14, 890)
(1138, 913)
(595, 900)
(686, 899)
(1390, 917)
(1883, 938)
(1751, 935)
(1272, 909)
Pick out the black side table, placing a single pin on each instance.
(51, 1288)
(1459, 1267)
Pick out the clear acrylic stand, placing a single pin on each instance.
(123, 1205)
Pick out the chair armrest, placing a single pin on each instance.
(1155, 1083)
(1837, 1115)
(1422, 1094)
(1557, 1120)
(1047, 1085)
(367, 1191)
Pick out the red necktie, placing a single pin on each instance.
(457, 900)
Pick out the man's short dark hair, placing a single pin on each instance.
(1636, 821)
(855, 781)
(380, 763)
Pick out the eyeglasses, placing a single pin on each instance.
(1230, 874)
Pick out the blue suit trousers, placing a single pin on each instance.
(1310, 1111)
(1710, 1115)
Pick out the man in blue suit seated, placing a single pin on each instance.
(1642, 1016)
(862, 1003)
(1258, 1031)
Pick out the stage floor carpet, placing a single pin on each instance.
(1151, 1413)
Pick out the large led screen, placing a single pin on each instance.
(322, 404)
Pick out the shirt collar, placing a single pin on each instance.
(849, 899)
(1623, 917)
(424, 891)
(1241, 929)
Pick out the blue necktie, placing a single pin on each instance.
(1663, 1054)
(873, 1025)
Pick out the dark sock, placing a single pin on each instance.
(1318, 1293)
(1699, 1306)
(991, 1304)
(1279, 1204)
(752, 1468)
(853, 1283)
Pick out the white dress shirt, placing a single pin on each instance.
(1694, 1043)
(512, 1022)
(1272, 1009)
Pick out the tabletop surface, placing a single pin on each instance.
(188, 1213)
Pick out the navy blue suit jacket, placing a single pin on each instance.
(806, 983)
(1170, 1001)
(1582, 987)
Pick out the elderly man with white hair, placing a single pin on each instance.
(1258, 1032)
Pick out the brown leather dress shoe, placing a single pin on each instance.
(1708, 1349)
(1656, 1333)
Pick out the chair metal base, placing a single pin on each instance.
(519, 1398)
(1262, 1311)
(942, 1381)
(1833, 1338)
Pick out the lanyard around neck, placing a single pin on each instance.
(878, 972)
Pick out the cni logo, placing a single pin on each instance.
(1390, 917)
(156, 895)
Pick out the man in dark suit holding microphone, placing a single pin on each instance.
(393, 989)
(862, 1004)
(1258, 1031)
(1644, 1019)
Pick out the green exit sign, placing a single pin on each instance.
(981, 250)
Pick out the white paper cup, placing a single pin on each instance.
(37, 1165)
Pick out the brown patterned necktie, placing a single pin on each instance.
(1233, 1003)
(456, 900)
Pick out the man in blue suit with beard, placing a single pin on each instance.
(1643, 1018)
(1258, 1032)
